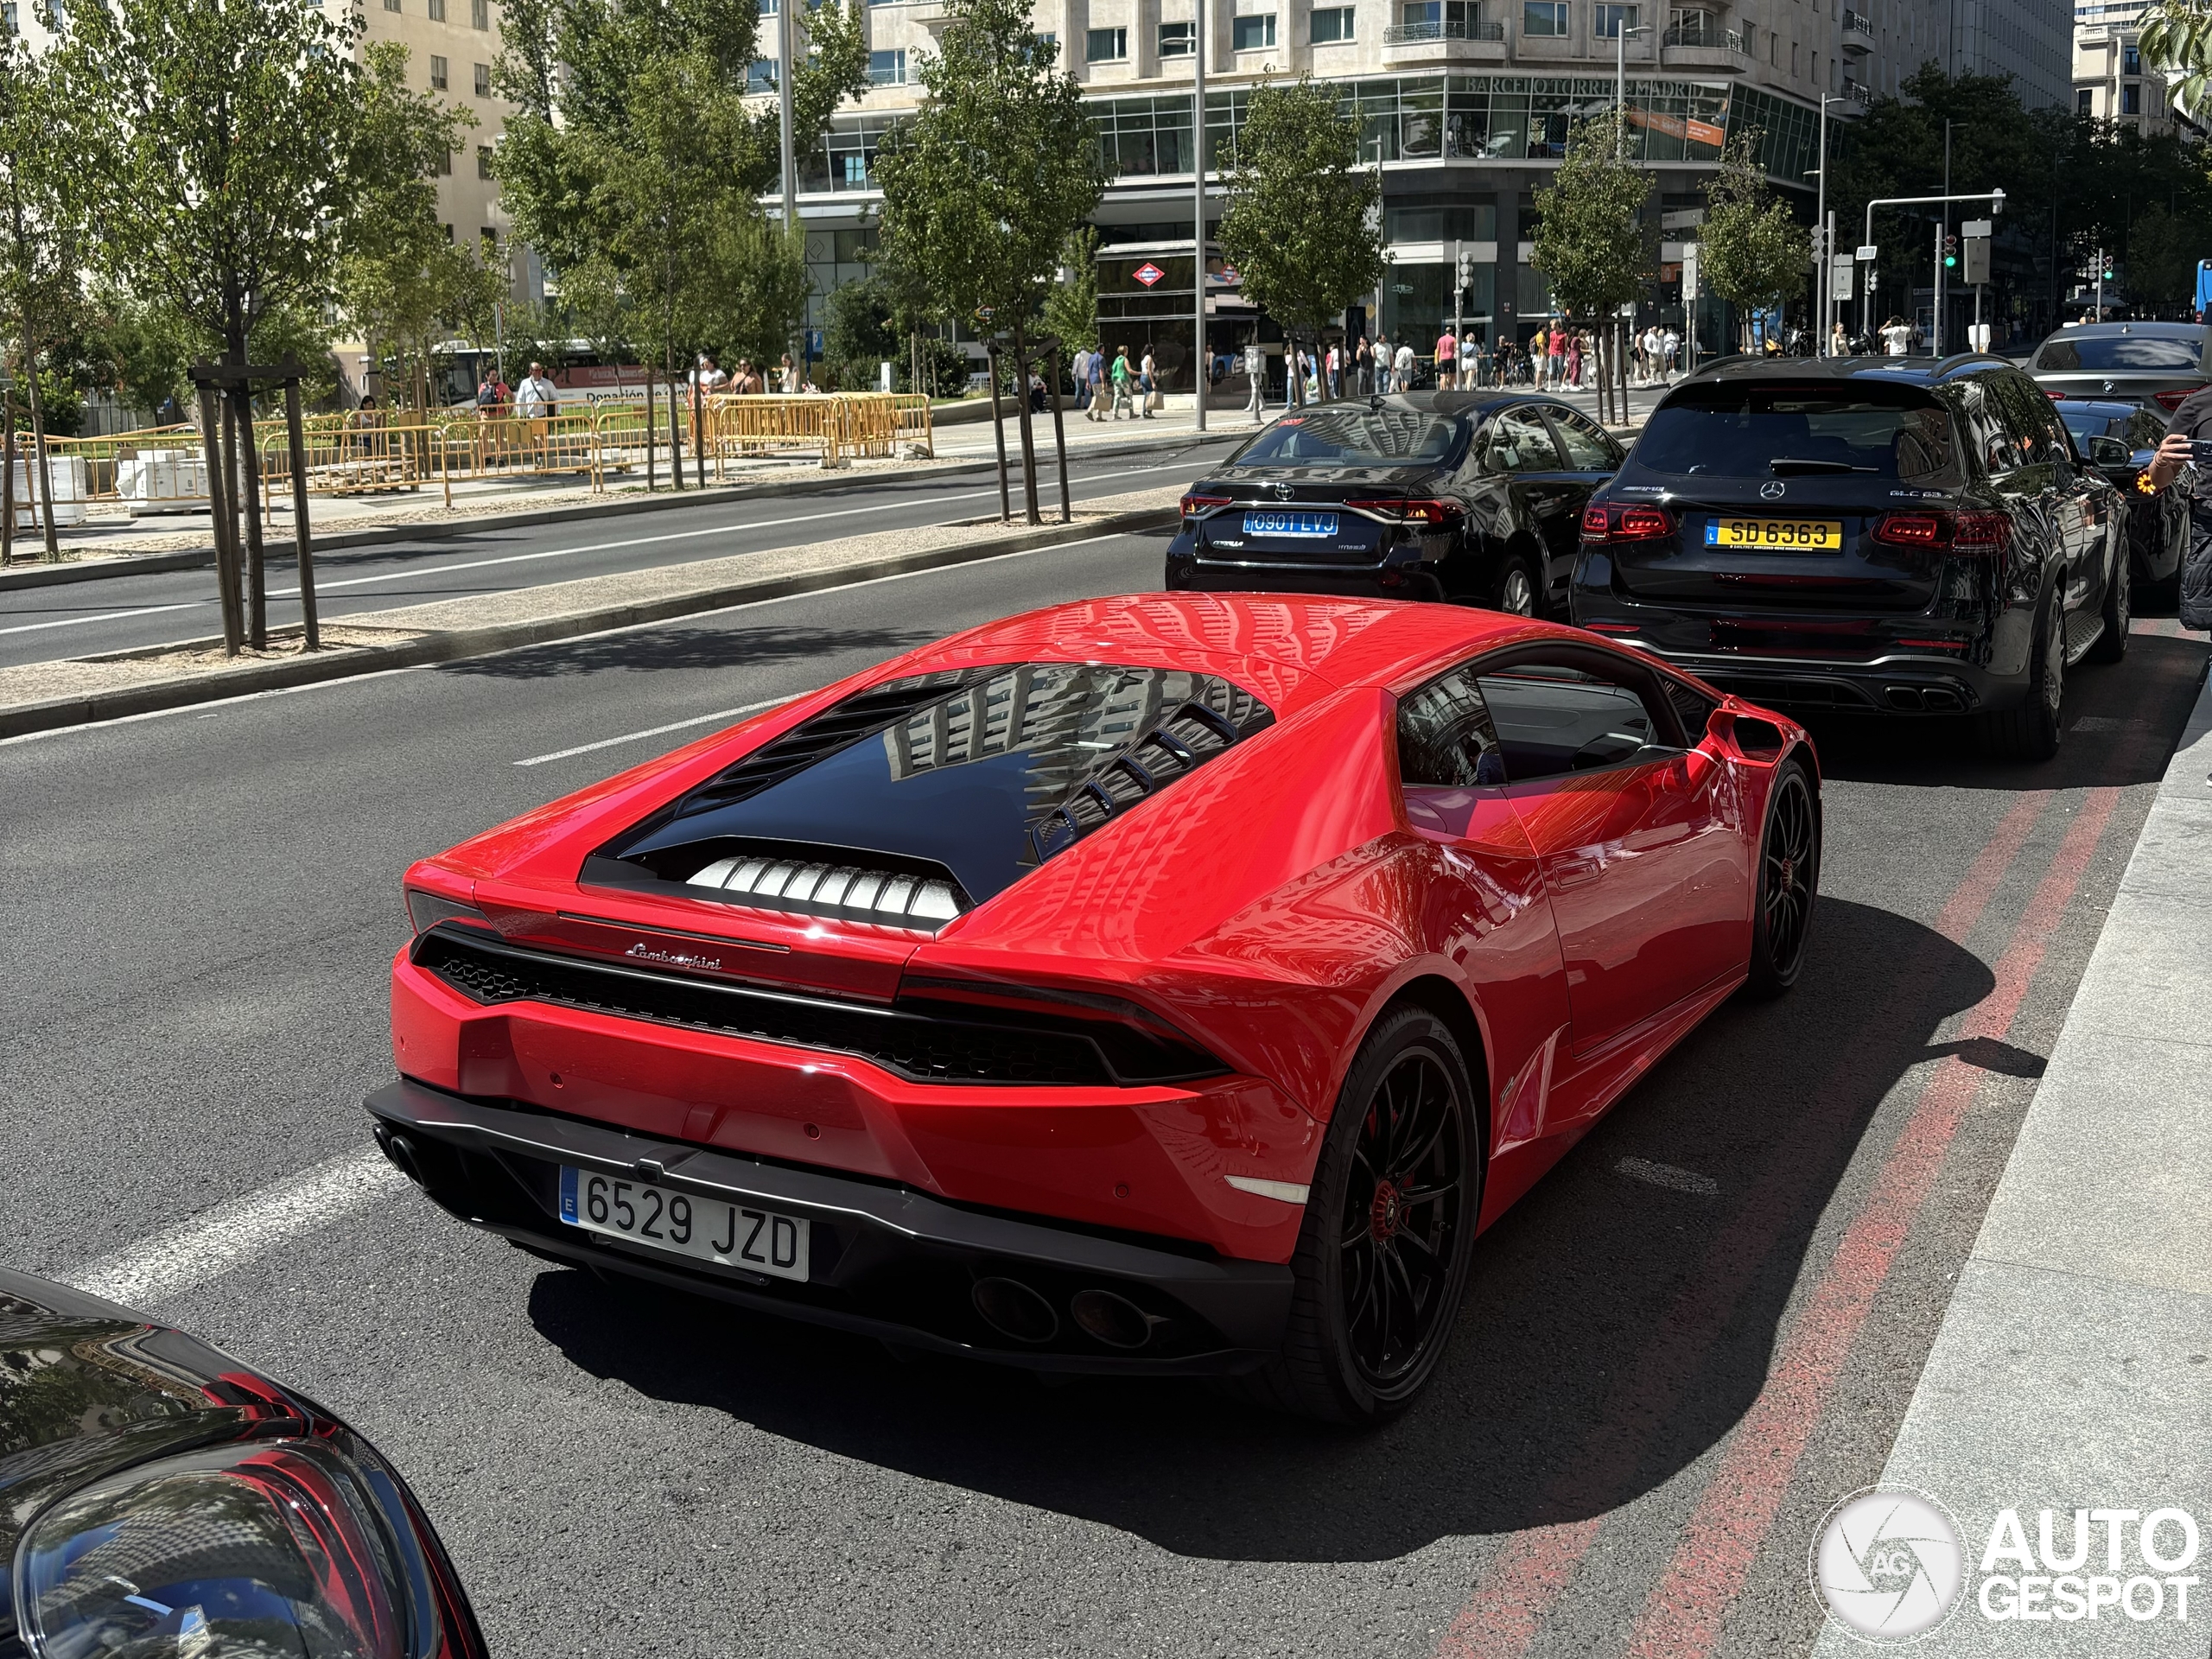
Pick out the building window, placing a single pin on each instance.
(767, 8)
(483, 81)
(1105, 45)
(1253, 33)
(887, 68)
(445, 164)
(1333, 25)
(2130, 99)
(9, 18)
(762, 77)
(483, 161)
(435, 10)
(2131, 58)
(391, 5)
(437, 73)
(1175, 40)
(1614, 19)
(479, 14)
(1545, 17)
(448, 229)
(489, 239)
(2084, 102)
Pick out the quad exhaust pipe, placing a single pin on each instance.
(1024, 1313)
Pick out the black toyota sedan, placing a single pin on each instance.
(159, 1498)
(2119, 439)
(1473, 497)
(1877, 535)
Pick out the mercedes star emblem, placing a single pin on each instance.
(1772, 489)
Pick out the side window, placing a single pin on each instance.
(1588, 449)
(2014, 398)
(1520, 443)
(1554, 718)
(1993, 441)
(2056, 442)
(2144, 430)
(1692, 707)
(1445, 736)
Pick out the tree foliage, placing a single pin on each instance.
(1588, 242)
(1304, 224)
(2176, 42)
(982, 188)
(1751, 250)
(1071, 307)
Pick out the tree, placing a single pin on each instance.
(43, 234)
(220, 144)
(1752, 248)
(1588, 242)
(2177, 42)
(404, 282)
(1304, 224)
(859, 331)
(1072, 308)
(981, 189)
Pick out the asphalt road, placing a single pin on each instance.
(202, 906)
(123, 613)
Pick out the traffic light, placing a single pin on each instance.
(1467, 271)
(2108, 271)
(1950, 251)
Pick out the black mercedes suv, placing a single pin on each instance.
(1894, 536)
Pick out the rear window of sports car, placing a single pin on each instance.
(2176, 352)
(1354, 437)
(1738, 430)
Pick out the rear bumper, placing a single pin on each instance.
(887, 1262)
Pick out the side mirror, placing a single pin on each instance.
(2107, 452)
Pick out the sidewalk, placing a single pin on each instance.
(2073, 1370)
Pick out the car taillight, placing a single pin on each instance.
(1411, 511)
(1194, 504)
(1626, 524)
(1970, 533)
(427, 910)
(2056, 397)
(2169, 399)
(1137, 1045)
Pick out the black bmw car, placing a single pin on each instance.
(1880, 535)
(1473, 497)
(160, 1499)
(2117, 438)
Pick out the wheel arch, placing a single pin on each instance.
(1434, 994)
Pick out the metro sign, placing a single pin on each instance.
(1148, 273)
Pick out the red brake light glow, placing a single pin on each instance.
(1912, 529)
(1414, 511)
(1638, 523)
(1194, 504)
(1959, 533)
(2170, 399)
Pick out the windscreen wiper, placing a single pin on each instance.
(1788, 466)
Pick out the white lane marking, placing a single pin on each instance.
(182, 1258)
(1680, 1180)
(547, 644)
(656, 731)
(108, 616)
(197, 709)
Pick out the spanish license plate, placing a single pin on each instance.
(1290, 524)
(683, 1223)
(1783, 535)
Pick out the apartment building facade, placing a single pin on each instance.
(1464, 105)
(2111, 80)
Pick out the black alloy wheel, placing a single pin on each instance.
(1789, 881)
(1515, 592)
(2031, 731)
(1381, 1259)
(2112, 644)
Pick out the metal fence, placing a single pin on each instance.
(164, 468)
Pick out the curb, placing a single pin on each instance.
(48, 576)
(449, 646)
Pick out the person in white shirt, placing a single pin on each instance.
(1897, 339)
(534, 397)
(1670, 344)
(1401, 366)
(1256, 377)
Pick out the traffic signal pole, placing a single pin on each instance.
(1994, 198)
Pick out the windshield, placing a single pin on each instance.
(2084, 423)
(1725, 429)
(1354, 437)
(2174, 352)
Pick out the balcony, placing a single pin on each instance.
(1858, 91)
(1417, 34)
(1858, 34)
(1692, 46)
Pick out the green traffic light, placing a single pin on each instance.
(1950, 260)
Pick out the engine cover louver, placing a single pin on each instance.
(898, 897)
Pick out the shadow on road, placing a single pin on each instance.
(1549, 1407)
(679, 647)
(2121, 723)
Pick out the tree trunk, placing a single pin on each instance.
(998, 432)
(698, 427)
(651, 416)
(8, 480)
(257, 564)
(1060, 436)
(41, 484)
(1028, 430)
(675, 436)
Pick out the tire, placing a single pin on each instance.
(1380, 1278)
(2112, 644)
(1789, 881)
(1516, 592)
(2031, 732)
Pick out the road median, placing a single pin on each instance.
(42, 696)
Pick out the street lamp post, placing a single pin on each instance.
(1994, 198)
(1202, 357)
(1823, 305)
(1621, 31)
(784, 111)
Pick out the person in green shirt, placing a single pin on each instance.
(1123, 374)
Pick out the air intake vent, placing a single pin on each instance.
(858, 893)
